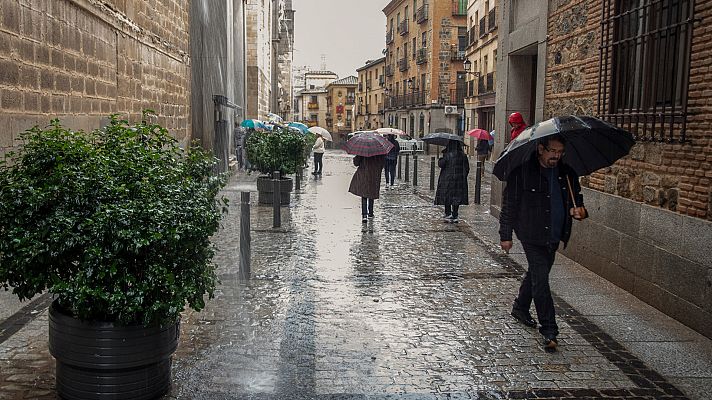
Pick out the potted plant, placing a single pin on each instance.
(281, 150)
(116, 224)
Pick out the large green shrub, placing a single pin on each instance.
(280, 150)
(116, 222)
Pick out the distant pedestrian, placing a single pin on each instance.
(518, 125)
(483, 149)
(318, 154)
(452, 183)
(391, 161)
(537, 205)
(366, 182)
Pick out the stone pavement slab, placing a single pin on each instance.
(403, 307)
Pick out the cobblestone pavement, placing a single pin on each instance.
(403, 307)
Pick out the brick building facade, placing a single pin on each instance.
(83, 60)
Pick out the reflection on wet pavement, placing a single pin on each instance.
(405, 305)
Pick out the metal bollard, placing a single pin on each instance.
(407, 168)
(478, 182)
(432, 173)
(298, 179)
(400, 163)
(415, 169)
(276, 201)
(245, 237)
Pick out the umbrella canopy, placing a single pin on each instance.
(253, 124)
(274, 118)
(298, 125)
(441, 138)
(480, 134)
(390, 131)
(368, 144)
(317, 130)
(591, 144)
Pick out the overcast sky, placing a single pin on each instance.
(347, 32)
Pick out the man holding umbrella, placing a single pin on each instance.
(540, 200)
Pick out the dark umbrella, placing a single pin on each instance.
(368, 144)
(441, 138)
(591, 144)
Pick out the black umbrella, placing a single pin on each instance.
(441, 138)
(591, 144)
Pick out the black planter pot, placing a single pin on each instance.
(265, 190)
(98, 360)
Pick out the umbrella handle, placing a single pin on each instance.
(571, 191)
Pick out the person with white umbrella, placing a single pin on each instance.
(318, 154)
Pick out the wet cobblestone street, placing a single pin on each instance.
(403, 307)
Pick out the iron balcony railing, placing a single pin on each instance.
(313, 106)
(457, 97)
(485, 84)
(492, 20)
(389, 37)
(422, 14)
(389, 70)
(421, 56)
(403, 64)
(457, 55)
(403, 27)
(483, 26)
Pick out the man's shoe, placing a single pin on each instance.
(523, 317)
(550, 344)
(364, 219)
(447, 218)
(454, 220)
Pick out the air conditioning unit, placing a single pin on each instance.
(450, 109)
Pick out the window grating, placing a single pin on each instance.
(645, 67)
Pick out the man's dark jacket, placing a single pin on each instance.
(526, 203)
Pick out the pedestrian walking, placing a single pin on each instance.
(366, 182)
(391, 161)
(452, 182)
(482, 149)
(518, 125)
(541, 198)
(318, 154)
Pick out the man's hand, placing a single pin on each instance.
(578, 213)
(506, 245)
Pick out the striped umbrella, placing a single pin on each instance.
(368, 144)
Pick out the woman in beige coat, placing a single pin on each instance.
(366, 182)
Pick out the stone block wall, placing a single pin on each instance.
(81, 60)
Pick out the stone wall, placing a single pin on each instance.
(81, 60)
(676, 177)
(259, 58)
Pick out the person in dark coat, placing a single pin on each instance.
(366, 182)
(391, 161)
(538, 205)
(452, 183)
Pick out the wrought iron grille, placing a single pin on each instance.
(645, 67)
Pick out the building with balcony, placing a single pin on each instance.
(424, 77)
(340, 103)
(283, 55)
(481, 65)
(369, 95)
(312, 106)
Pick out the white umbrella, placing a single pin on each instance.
(317, 130)
(390, 131)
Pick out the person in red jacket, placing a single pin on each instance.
(518, 125)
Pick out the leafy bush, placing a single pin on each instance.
(116, 222)
(280, 150)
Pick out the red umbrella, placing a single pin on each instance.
(480, 134)
(368, 144)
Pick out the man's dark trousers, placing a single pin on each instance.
(536, 286)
